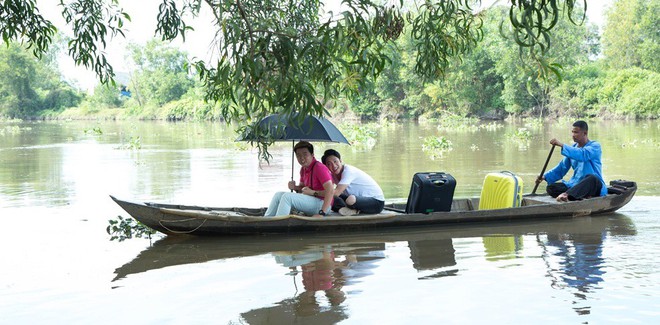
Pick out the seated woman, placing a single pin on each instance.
(310, 197)
(356, 191)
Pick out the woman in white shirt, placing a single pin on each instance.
(356, 191)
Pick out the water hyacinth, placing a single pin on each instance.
(435, 147)
(134, 143)
(10, 130)
(458, 123)
(492, 126)
(521, 134)
(121, 229)
(95, 131)
(360, 135)
(534, 123)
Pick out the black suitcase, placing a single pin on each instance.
(431, 192)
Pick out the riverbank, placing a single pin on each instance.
(201, 112)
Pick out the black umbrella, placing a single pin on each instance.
(282, 127)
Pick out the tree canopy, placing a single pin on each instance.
(287, 56)
(28, 85)
(630, 37)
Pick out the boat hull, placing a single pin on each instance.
(178, 219)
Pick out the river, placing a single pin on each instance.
(59, 265)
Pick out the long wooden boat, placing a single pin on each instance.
(182, 219)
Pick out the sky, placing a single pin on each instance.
(139, 30)
(198, 42)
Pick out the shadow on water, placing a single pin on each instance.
(571, 250)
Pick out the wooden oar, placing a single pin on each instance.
(543, 170)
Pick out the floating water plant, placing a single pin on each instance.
(95, 130)
(458, 123)
(12, 130)
(121, 229)
(492, 126)
(360, 135)
(520, 134)
(435, 147)
(134, 143)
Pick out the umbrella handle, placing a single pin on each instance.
(293, 152)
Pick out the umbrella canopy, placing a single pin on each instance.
(291, 128)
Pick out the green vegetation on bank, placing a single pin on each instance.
(30, 87)
(490, 81)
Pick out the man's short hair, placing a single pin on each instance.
(304, 144)
(582, 125)
(328, 153)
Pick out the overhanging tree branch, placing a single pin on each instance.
(278, 56)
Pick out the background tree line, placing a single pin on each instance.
(616, 76)
(613, 76)
(30, 87)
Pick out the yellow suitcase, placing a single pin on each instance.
(501, 190)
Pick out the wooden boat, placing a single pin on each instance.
(181, 219)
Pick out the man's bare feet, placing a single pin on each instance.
(563, 197)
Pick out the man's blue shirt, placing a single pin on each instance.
(584, 161)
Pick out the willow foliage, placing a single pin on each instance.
(282, 56)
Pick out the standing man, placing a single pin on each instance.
(313, 195)
(584, 156)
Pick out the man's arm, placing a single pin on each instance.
(558, 172)
(340, 189)
(336, 192)
(591, 151)
(328, 196)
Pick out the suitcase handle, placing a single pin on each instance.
(516, 202)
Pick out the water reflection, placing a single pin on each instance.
(321, 296)
(323, 273)
(325, 268)
(575, 260)
(431, 248)
(502, 247)
(432, 255)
